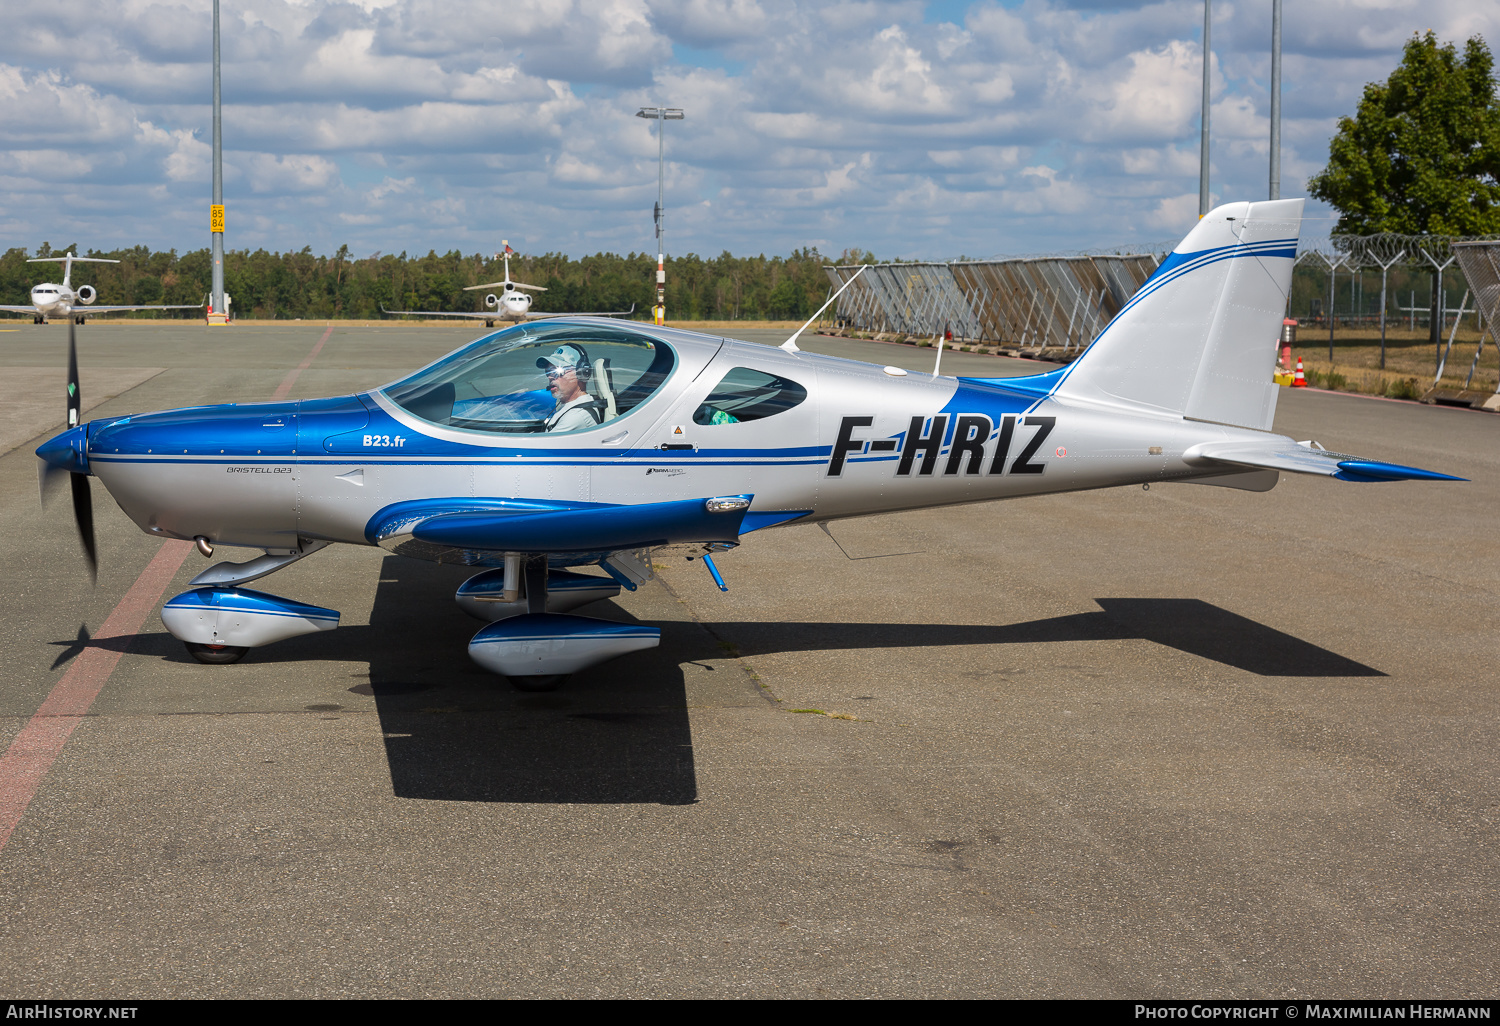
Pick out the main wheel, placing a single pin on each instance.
(539, 682)
(216, 654)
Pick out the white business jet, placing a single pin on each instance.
(49, 300)
(512, 303)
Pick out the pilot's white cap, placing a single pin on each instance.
(563, 358)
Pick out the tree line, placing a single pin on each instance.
(301, 284)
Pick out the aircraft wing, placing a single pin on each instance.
(89, 311)
(493, 315)
(452, 530)
(597, 313)
(1305, 458)
(28, 309)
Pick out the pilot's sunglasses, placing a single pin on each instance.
(557, 372)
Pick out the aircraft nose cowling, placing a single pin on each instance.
(68, 451)
(226, 473)
(320, 421)
(257, 429)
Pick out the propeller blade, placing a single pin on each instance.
(83, 515)
(75, 398)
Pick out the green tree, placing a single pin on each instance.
(1422, 153)
(788, 301)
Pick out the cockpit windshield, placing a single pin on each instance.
(545, 377)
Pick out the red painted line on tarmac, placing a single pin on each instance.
(284, 389)
(33, 751)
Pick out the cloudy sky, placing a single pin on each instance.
(914, 129)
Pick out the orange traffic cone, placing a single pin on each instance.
(1299, 380)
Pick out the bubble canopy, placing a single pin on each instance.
(500, 383)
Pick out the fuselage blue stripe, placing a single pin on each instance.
(472, 461)
(221, 608)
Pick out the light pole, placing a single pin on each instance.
(662, 114)
(1203, 156)
(1276, 101)
(216, 312)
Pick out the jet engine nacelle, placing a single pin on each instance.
(490, 301)
(87, 294)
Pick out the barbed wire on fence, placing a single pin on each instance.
(1158, 248)
(1385, 249)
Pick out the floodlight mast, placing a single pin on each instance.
(1276, 100)
(216, 312)
(1203, 204)
(662, 114)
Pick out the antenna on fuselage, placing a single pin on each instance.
(790, 345)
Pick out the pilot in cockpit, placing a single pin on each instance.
(568, 374)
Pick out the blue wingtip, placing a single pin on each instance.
(1374, 470)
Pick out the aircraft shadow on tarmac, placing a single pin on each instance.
(1188, 625)
(616, 734)
(620, 733)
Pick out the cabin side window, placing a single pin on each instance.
(555, 379)
(744, 395)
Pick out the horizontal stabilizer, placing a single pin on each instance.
(1305, 458)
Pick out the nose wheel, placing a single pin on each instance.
(216, 654)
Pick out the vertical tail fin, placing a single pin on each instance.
(1199, 337)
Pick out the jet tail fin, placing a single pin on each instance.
(68, 260)
(1199, 337)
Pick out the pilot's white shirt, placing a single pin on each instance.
(571, 417)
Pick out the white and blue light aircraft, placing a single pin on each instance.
(61, 300)
(545, 449)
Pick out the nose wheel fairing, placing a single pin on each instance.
(241, 618)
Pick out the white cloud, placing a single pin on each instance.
(1159, 96)
(435, 124)
(188, 160)
(711, 23)
(1160, 160)
(294, 172)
